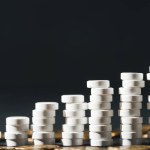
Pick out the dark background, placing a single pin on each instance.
(52, 48)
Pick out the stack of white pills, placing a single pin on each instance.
(16, 131)
(130, 105)
(148, 104)
(43, 122)
(73, 129)
(100, 105)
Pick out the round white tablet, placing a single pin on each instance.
(131, 76)
(43, 135)
(148, 76)
(72, 135)
(99, 120)
(148, 98)
(129, 113)
(73, 113)
(75, 121)
(99, 135)
(102, 91)
(43, 121)
(46, 106)
(129, 142)
(13, 143)
(43, 113)
(17, 120)
(103, 142)
(130, 91)
(99, 105)
(77, 106)
(133, 83)
(98, 84)
(101, 98)
(21, 128)
(131, 135)
(44, 128)
(130, 105)
(100, 128)
(148, 105)
(131, 98)
(72, 98)
(44, 142)
(130, 128)
(131, 120)
(101, 113)
(72, 142)
(73, 128)
(15, 135)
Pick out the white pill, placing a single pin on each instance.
(43, 121)
(43, 113)
(72, 135)
(77, 106)
(131, 76)
(149, 120)
(72, 142)
(131, 98)
(103, 142)
(73, 128)
(101, 113)
(101, 98)
(100, 128)
(130, 105)
(44, 142)
(130, 128)
(16, 128)
(43, 135)
(72, 98)
(12, 143)
(46, 106)
(130, 142)
(73, 113)
(102, 91)
(130, 91)
(131, 135)
(129, 113)
(133, 83)
(148, 105)
(148, 76)
(17, 120)
(99, 135)
(15, 135)
(99, 105)
(75, 121)
(99, 120)
(148, 98)
(131, 120)
(98, 84)
(43, 128)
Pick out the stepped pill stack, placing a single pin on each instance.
(100, 105)
(43, 122)
(130, 106)
(16, 130)
(75, 118)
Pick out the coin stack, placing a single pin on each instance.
(100, 105)
(43, 122)
(16, 130)
(75, 119)
(130, 105)
(148, 103)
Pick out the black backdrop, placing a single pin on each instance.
(52, 48)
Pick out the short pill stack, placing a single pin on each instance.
(73, 129)
(43, 122)
(130, 105)
(148, 104)
(100, 105)
(16, 131)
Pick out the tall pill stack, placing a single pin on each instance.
(130, 105)
(100, 105)
(16, 131)
(43, 122)
(73, 129)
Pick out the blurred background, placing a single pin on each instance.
(49, 48)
